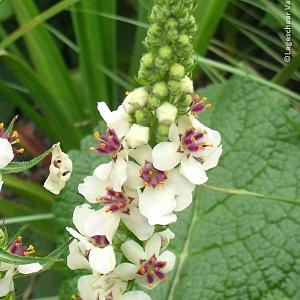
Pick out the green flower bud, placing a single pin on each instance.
(160, 89)
(147, 60)
(162, 133)
(160, 63)
(172, 36)
(171, 24)
(179, 10)
(188, 63)
(184, 20)
(153, 102)
(183, 40)
(3, 237)
(192, 26)
(155, 31)
(143, 116)
(165, 52)
(174, 87)
(176, 71)
(159, 13)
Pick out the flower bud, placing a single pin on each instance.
(160, 89)
(153, 102)
(159, 13)
(136, 99)
(147, 60)
(143, 116)
(165, 52)
(174, 87)
(183, 40)
(3, 237)
(161, 63)
(166, 113)
(137, 136)
(172, 36)
(171, 25)
(176, 71)
(162, 133)
(187, 85)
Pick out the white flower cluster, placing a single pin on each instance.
(139, 188)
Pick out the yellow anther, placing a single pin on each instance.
(127, 93)
(146, 183)
(21, 150)
(161, 183)
(1, 125)
(15, 134)
(208, 105)
(204, 99)
(92, 149)
(97, 135)
(166, 278)
(30, 250)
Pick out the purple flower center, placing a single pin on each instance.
(151, 176)
(199, 104)
(115, 201)
(109, 142)
(18, 249)
(193, 140)
(100, 241)
(152, 269)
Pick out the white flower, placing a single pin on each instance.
(6, 156)
(7, 283)
(187, 85)
(164, 192)
(110, 286)
(166, 113)
(117, 119)
(118, 206)
(194, 146)
(6, 153)
(138, 135)
(135, 99)
(60, 170)
(16, 248)
(150, 265)
(93, 248)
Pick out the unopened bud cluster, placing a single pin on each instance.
(165, 68)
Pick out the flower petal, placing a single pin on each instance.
(126, 271)
(170, 258)
(134, 180)
(30, 268)
(141, 154)
(102, 222)
(80, 237)
(80, 215)
(6, 283)
(193, 170)
(118, 174)
(85, 290)
(153, 246)
(76, 259)
(156, 202)
(6, 153)
(178, 184)
(166, 156)
(102, 260)
(92, 188)
(102, 172)
(133, 252)
(212, 160)
(135, 295)
(182, 202)
(137, 224)
(162, 220)
(173, 133)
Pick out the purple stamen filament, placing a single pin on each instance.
(152, 176)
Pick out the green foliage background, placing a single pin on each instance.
(240, 239)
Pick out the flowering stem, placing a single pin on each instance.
(26, 219)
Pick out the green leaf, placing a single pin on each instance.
(240, 241)
(236, 244)
(16, 167)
